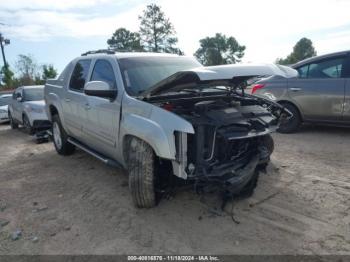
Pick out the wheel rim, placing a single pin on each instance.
(26, 124)
(57, 135)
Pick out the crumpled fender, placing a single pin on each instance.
(154, 125)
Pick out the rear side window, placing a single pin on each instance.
(103, 71)
(79, 75)
(330, 68)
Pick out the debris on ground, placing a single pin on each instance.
(4, 222)
(40, 208)
(35, 239)
(16, 235)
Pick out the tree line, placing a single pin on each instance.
(28, 72)
(156, 34)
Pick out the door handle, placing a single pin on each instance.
(87, 106)
(295, 89)
(67, 100)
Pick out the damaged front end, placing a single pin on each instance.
(232, 141)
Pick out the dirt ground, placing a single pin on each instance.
(78, 205)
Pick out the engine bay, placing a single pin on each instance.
(231, 142)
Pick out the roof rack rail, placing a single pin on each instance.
(100, 51)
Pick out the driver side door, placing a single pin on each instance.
(101, 127)
(17, 105)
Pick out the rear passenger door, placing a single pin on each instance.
(320, 89)
(75, 100)
(101, 127)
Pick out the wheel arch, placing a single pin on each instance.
(283, 102)
(53, 110)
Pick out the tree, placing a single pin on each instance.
(303, 49)
(7, 76)
(156, 31)
(27, 69)
(219, 50)
(124, 40)
(48, 72)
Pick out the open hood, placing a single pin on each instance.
(221, 75)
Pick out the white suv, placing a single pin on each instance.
(27, 108)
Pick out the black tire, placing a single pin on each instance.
(269, 145)
(64, 147)
(13, 124)
(141, 167)
(248, 190)
(293, 124)
(28, 128)
(267, 141)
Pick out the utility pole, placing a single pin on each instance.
(4, 42)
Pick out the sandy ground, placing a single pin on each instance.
(77, 205)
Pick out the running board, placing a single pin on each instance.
(92, 152)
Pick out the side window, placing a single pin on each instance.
(331, 68)
(303, 71)
(79, 75)
(16, 94)
(103, 71)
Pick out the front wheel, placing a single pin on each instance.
(60, 138)
(141, 167)
(28, 127)
(13, 124)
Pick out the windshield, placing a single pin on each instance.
(33, 94)
(5, 100)
(141, 73)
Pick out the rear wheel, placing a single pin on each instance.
(13, 124)
(141, 167)
(60, 138)
(292, 124)
(28, 127)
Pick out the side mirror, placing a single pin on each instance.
(100, 89)
(19, 98)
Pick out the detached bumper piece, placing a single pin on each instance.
(230, 179)
(41, 124)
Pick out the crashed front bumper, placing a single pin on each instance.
(230, 175)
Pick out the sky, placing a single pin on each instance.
(57, 31)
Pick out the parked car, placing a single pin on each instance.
(320, 94)
(163, 115)
(27, 108)
(4, 102)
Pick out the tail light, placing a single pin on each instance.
(168, 107)
(257, 87)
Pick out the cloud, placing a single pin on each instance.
(268, 28)
(49, 4)
(42, 25)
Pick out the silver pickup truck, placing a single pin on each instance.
(160, 116)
